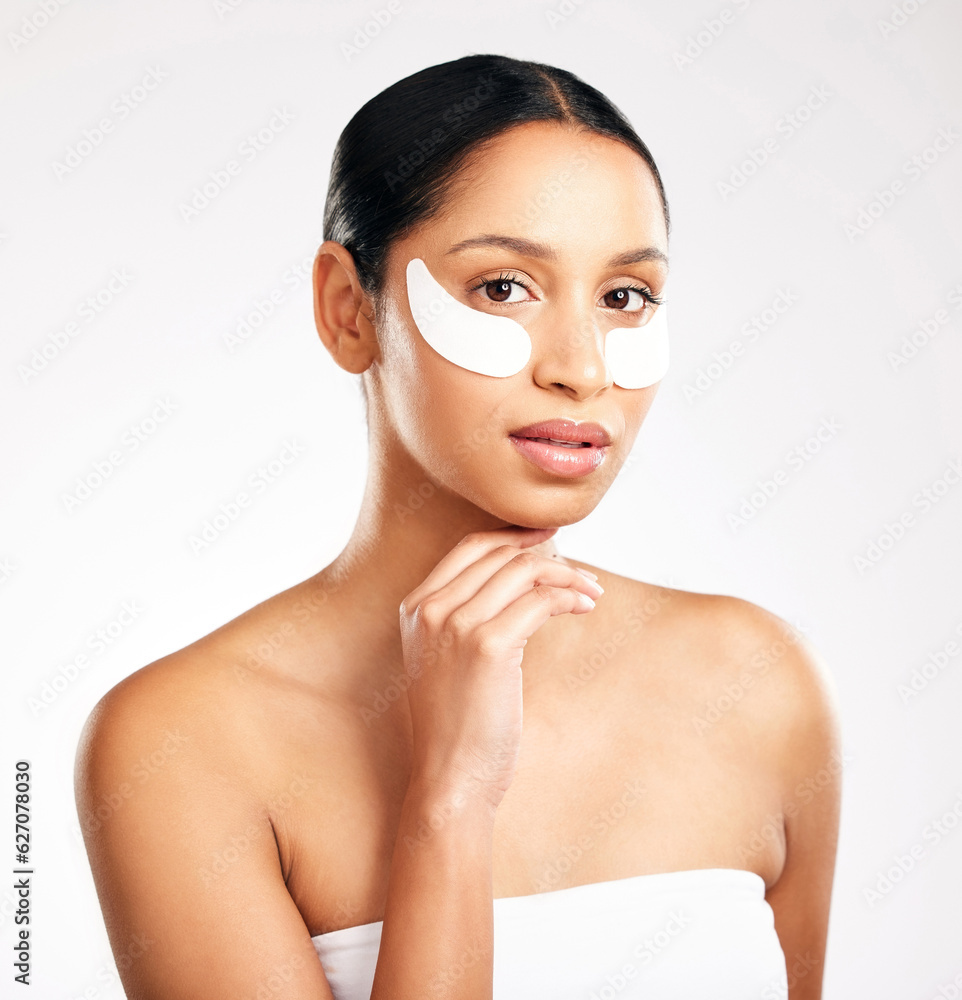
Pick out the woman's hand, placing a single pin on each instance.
(463, 632)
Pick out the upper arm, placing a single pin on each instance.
(804, 715)
(184, 858)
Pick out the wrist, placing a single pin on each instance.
(437, 801)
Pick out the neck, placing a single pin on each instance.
(406, 524)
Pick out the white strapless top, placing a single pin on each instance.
(703, 934)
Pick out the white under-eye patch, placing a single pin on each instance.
(638, 356)
(499, 346)
(480, 342)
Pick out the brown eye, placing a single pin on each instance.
(499, 291)
(503, 290)
(621, 298)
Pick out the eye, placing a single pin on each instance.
(506, 288)
(629, 298)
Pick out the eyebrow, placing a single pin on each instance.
(528, 248)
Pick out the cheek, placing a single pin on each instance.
(635, 415)
(444, 414)
(464, 417)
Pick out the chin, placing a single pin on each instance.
(539, 511)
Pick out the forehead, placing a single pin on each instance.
(558, 184)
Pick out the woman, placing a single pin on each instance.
(343, 802)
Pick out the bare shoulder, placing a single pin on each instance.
(215, 701)
(176, 780)
(732, 661)
(760, 659)
(750, 691)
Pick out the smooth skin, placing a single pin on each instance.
(436, 670)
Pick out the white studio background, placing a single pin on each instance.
(809, 462)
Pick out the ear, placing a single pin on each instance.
(342, 312)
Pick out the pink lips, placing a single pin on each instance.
(563, 447)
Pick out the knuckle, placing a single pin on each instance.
(459, 622)
(543, 593)
(485, 641)
(526, 559)
(429, 611)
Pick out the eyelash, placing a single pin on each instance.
(648, 296)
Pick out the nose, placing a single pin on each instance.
(568, 348)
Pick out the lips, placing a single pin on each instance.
(566, 432)
(563, 447)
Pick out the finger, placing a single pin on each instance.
(523, 573)
(523, 617)
(469, 550)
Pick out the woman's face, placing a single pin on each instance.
(563, 231)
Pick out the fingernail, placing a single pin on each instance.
(586, 601)
(587, 573)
